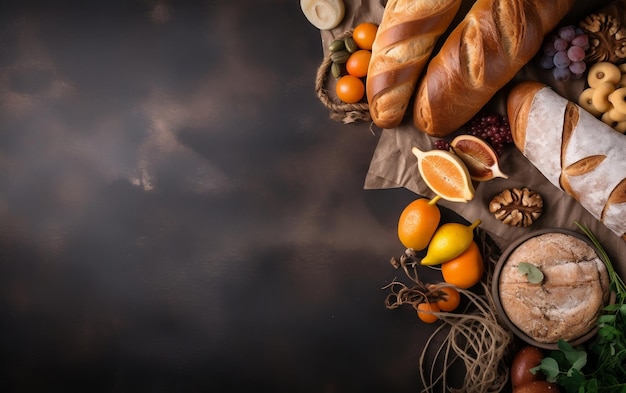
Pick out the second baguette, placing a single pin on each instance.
(482, 54)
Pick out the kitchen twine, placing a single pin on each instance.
(340, 111)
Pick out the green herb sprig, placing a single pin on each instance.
(532, 272)
(600, 365)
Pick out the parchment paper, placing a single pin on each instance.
(393, 165)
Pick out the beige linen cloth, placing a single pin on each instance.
(393, 165)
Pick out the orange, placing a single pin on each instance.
(358, 62)
(350, 89)
(425, 310)
(466, 270)
(451, 300)
(445, 174)
(364, 34)
(418, 222)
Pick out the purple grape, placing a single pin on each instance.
(442, 144)
(581, 40)
(576, 53)
(491, 127)
(561, 60)
(578, 67)
(560, 44)
(548, 46)
(567, 33)
(561, 74)
(546, 62)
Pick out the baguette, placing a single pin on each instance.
(404, 42)
(481, 55)
(574, 150)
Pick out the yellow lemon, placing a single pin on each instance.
(449, 241)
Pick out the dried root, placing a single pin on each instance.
(474, 338)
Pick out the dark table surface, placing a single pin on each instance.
(179, 214)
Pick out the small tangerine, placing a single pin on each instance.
(466, 270)
(418, 222)
(350, 89)
(451, 300)
(425, 312)
(364, 34)
(358, 62)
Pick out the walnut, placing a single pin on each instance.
(517, 207)
(606, 30)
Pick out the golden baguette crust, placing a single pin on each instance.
(572, 149)
(404, 42)
(481, 55)
(518, 102)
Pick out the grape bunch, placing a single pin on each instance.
(491, 127)
(564, 53)
(442, 144)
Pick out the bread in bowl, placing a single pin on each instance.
(567, 302)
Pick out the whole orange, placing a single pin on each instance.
(425, 310)
(364, 34)
(466, 270)
(358, 62)
(451, 300)
(418, 222)
(350, 89)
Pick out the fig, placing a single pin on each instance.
(537, 387)
(479, 157)
(527, 358)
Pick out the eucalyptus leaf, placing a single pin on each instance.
(550, 368)
(609, 332)
(580, 361)
(533, 273)
(560, 358)
(577, 359)
(564, 346)
(572, 381)
(612, 307)
(609, 318)
(592, 386)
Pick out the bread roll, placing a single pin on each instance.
(568, 302)
(404, 42)
(575, 151)
(482, 54)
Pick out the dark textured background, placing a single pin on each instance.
(179, 214)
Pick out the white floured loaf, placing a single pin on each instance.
(575, 151)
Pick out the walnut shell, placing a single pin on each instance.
(606, 30)
(517, 207)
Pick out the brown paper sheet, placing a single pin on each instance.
(393, 165)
